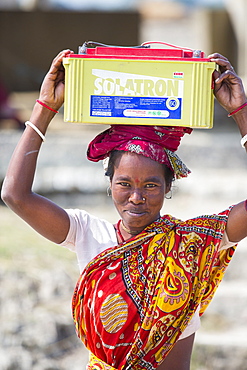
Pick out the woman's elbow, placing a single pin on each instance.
(10, 196)
(5, 194)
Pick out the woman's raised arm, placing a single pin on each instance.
(44, 216)
(230, 93)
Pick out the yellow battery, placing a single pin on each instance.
(167, 92)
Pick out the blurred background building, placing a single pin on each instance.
(33, 31)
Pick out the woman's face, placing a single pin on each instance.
(138, 190)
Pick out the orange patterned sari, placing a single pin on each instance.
(133, 301)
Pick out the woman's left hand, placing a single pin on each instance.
(230, 93)
(228, 89)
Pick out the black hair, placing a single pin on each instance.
(117, 154)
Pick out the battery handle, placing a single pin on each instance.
(93, 44)
(144, 45)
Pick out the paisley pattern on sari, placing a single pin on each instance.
(133, 301)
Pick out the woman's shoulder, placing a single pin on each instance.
(87, 218)
(84, 225)
(215, 221)
(203, 218)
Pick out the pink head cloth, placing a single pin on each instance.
(156, 142)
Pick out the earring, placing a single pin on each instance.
(169, 194)
(108, 191)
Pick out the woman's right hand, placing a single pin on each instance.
(52, 88)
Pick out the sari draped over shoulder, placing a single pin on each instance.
(133, 301)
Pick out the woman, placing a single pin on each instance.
(137, 303)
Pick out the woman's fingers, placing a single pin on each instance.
(223, 62)
(57, 61)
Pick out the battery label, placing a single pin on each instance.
(119, 94)
(136, 107)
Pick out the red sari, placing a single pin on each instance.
(133, 301)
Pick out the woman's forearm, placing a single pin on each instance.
(18, 182)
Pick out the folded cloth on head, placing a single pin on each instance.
(156, 142)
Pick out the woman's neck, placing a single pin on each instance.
(123, 233)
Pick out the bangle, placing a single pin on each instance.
(237, 110)
(243, 141)
(35, 128)
(46, 106)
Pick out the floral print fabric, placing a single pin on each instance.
(133, 301)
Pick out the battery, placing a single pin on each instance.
(140, 86)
